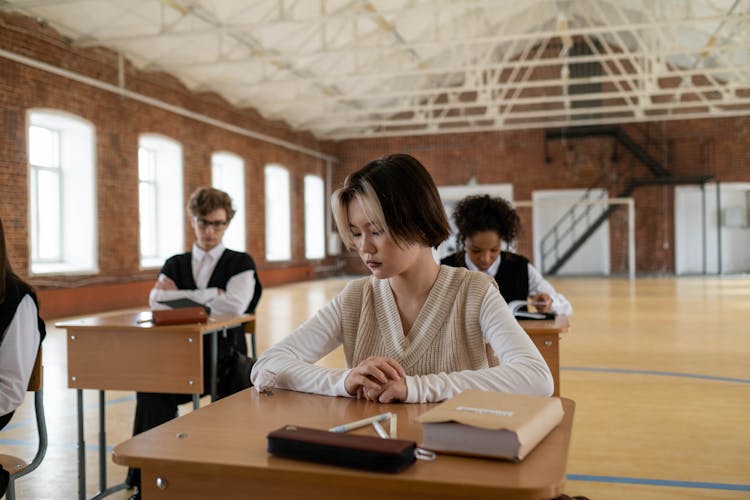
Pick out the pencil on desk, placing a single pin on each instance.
(361, 423)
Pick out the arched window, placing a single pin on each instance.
(315, 217)
(160, 203)
(278, 214)
(228, 174)
(62, 193)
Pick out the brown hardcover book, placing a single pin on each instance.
(182, 316)
(490, 424)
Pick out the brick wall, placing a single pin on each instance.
(119, 122)
(717, 147)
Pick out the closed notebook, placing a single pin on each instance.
(490, 424)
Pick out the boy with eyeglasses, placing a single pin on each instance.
(224, 280)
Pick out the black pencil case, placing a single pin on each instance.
(346, 450)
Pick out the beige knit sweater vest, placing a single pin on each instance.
(445, 337)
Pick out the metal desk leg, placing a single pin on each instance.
(81, 448)
(214, 361)
(103, 490)
(102, 445)
(196, 401)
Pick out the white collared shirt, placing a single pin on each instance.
(537, 284)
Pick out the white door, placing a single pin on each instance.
(550, 209)
(732, 218)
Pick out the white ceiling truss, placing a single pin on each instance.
(371, 68)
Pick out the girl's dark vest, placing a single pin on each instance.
(512, 276)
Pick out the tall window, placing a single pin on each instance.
(315, 247)
(160, 204)
(62, 193)
(228, 174)
(278, 219)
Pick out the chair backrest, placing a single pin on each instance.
(35, 381)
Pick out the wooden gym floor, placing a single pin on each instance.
(658, 368)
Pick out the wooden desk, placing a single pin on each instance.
(219, 451)
(126, 352)
(546, 337)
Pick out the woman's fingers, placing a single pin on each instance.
(389, 368)
(368, 378)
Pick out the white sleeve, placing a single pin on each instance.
(537, 284)
(17, 355)
(290, 363)
(522, 370)
(234, 300)
(237, 296)
(201, 296)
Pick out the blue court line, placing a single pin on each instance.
(654, 372)
(659, 482)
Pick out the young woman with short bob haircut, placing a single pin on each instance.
(413, 331)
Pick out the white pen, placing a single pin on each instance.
(360, 423)
(502, 413)
(380, 430)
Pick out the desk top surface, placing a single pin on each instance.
(558, 325)
(230, 436)
(141, 320)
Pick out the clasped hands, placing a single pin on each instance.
(377, 378)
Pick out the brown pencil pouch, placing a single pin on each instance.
(181, 316)
(347, 450)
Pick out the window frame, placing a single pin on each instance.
(74, 165)
(169, 224)
(313, 217)
(272, 223)
(220, 159)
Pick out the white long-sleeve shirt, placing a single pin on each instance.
(537, 284)
(17, 355)
(290, 363)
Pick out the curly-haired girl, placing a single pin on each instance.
(484, 223)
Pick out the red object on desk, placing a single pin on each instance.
(180, 316)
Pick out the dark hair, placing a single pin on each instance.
(205, 200)
(7, 277)
(479, 213)
(399, 196)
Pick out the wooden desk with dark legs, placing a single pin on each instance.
(125, 352)
(546, 336)
(219, 451)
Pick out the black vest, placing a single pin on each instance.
(14, 293)
(179, 269)
(512, 276)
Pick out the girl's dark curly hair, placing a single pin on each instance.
(479, 213)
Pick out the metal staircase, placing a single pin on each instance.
(577, 225)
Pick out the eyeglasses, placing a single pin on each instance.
(217, 225)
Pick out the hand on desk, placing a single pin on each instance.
(542, 302)
(377, 378)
